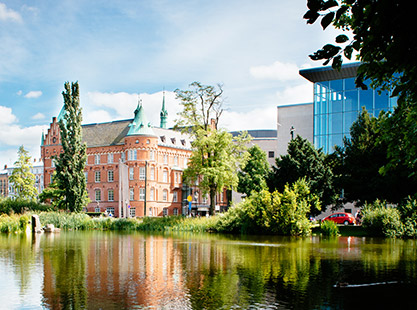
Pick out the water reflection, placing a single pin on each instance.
(104, 270)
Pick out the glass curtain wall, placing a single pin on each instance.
(337, 104)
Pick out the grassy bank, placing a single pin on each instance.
(81, 221)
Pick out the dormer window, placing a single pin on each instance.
(183, 142)
(173, 140)
(162, 138)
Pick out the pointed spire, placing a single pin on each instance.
(163, 114)
(140, 124)
(43, 139)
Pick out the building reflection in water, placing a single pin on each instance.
(114, 271)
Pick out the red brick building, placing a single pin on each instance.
(132, 167)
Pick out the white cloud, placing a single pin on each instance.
(12, 135)
(33, 94)
(302, 93)
(277, 71)
(38, 116)
(9, 14)
(7, 117)
(19, 93)
(265, 118)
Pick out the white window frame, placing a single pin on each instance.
(132, 212)
(141, 193)
(175, 196)
(142, 171)
(110, 175)
(131, 173)
(165, 211)
(152, 174)
(132, 193)
(165, 176)
(97, 176)
(110, 158)
(132, 154)
(110, 195)
(165, 195)
(97, 194)
(97, 159)
(152, 194)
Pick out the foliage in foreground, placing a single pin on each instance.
(381, 219)
(329, 228)
(272, 213)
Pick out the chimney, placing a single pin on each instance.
(213, 123)
(5, 167)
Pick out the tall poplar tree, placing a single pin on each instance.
(216, 155)
(22, 179)
(71, 162)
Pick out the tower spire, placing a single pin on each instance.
(164, 113)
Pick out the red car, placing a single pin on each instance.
(341, 218)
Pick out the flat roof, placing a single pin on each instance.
(258, 133)
(321, 74)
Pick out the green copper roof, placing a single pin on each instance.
(140, 124)
(42, 139)
(61, 114)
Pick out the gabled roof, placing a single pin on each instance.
(105, 134)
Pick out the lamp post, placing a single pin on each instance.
(146, 181)
(292, 129)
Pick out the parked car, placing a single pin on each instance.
(341, 218)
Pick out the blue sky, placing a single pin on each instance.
(119, 50)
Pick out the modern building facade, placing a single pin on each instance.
(133, 168)
(338, 102)
(293, 120)
(266, 139)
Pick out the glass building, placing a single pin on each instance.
(338, 102)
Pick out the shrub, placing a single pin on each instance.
(329, 228)
(272, 213)
(382, 220)
(408, 212)
(9, 206)
(9, 223)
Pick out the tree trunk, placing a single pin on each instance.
(212, 201)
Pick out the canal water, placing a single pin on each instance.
(108, 270)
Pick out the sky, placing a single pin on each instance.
(120, 51)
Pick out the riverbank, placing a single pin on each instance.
(16, 223)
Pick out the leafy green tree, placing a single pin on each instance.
(379, 31)
(304, 161)
(71, 162)
(215, 157)
(22, 179)
(254, 172)
(360, 161)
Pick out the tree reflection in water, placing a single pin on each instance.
(104, 270)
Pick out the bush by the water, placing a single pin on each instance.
(329, 228)
(408, 213)
(8, 206)
(272, 213)
(381, 219)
